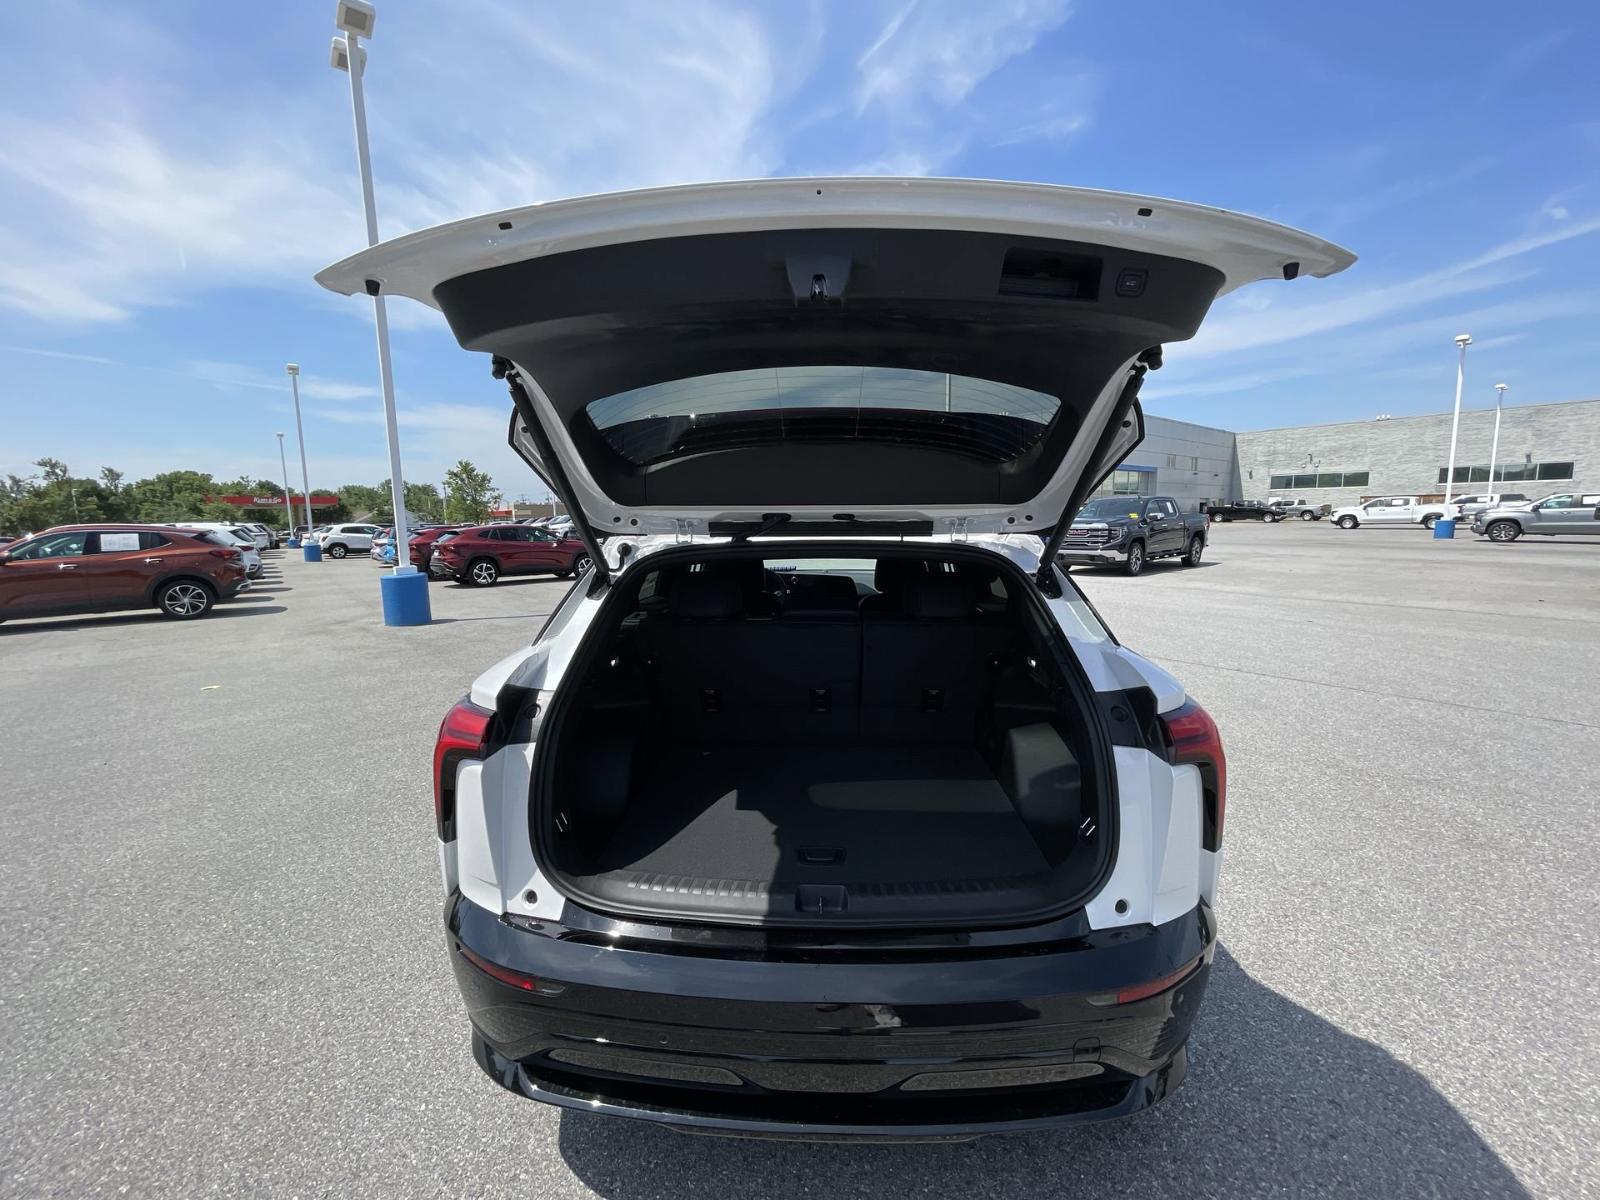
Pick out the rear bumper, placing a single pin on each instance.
(887, 1047)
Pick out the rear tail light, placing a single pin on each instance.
(464, 734)
(225, 552)
(1192, 737)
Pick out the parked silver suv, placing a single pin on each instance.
(1567, 515)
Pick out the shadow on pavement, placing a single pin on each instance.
(500, 617)
(228, 610)
(1278, 1102)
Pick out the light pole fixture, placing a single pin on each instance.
(1445, 527)
(288, 494)
(311, 552)
(405, 591)
(1494, 446)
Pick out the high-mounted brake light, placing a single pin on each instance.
(463, 734)
(1192, 737)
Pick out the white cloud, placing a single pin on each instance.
(1250, 326)
(105, 217)
(941, 51)
(315, 387)
(475, 108)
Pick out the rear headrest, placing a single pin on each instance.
(890, 575)
(824, 592)
(939, 596)
(707, 596)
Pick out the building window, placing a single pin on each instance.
(1322, 479)
(1510, 472)
(1125, 483)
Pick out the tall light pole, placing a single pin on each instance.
(1445, 527)
(293, 371)
(288, 494)
(405, 592)
(1494, 446)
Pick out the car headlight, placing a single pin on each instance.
(1114, 534)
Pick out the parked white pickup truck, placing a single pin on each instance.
(1390, 510)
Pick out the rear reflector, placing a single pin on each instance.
(516, 979)
(1153, 987)
(1192, 737)
(464, 734)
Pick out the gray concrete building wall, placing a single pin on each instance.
(1403, 456)
(1190, 463)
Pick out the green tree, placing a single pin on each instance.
(422, 500)
(172, 496)
(55, 471)
(470, 492)
(362, 500)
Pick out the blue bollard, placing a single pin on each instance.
(293, 543)
(312, 551)
(405, 599)
(1444, 527)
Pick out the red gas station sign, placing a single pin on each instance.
(318, 500)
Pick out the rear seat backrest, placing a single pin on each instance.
(923, 670)
(724, 674)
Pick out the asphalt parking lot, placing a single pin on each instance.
(223, 970)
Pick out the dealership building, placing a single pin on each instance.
(1544, 448)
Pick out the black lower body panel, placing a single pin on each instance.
(822, 1047)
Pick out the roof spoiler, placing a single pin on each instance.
(504, 368)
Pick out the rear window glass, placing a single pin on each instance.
(994, 422)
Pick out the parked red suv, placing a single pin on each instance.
(481, 554)
(102, 568)
(422, 541)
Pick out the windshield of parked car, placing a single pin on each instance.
(51, 545)
(1111, 506)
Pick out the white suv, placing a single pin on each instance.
(339, 540)
(824, 805)
(250, 553)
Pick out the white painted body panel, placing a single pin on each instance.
(1243, 248)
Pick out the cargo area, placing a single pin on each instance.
(771, 740)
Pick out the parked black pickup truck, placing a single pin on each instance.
(1245, 510)
(1128, 531)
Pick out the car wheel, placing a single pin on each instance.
(1308, 516)
(338, 550)
(1347, 522)
(1197, 547)
(1429, 521)
(1503, 531)
(1134, 563)
(1213, 518)
(581, 564)
(483, 572)
(183, 599)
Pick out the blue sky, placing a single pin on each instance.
(171, 174)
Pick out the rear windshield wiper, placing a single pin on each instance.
(768, 522)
